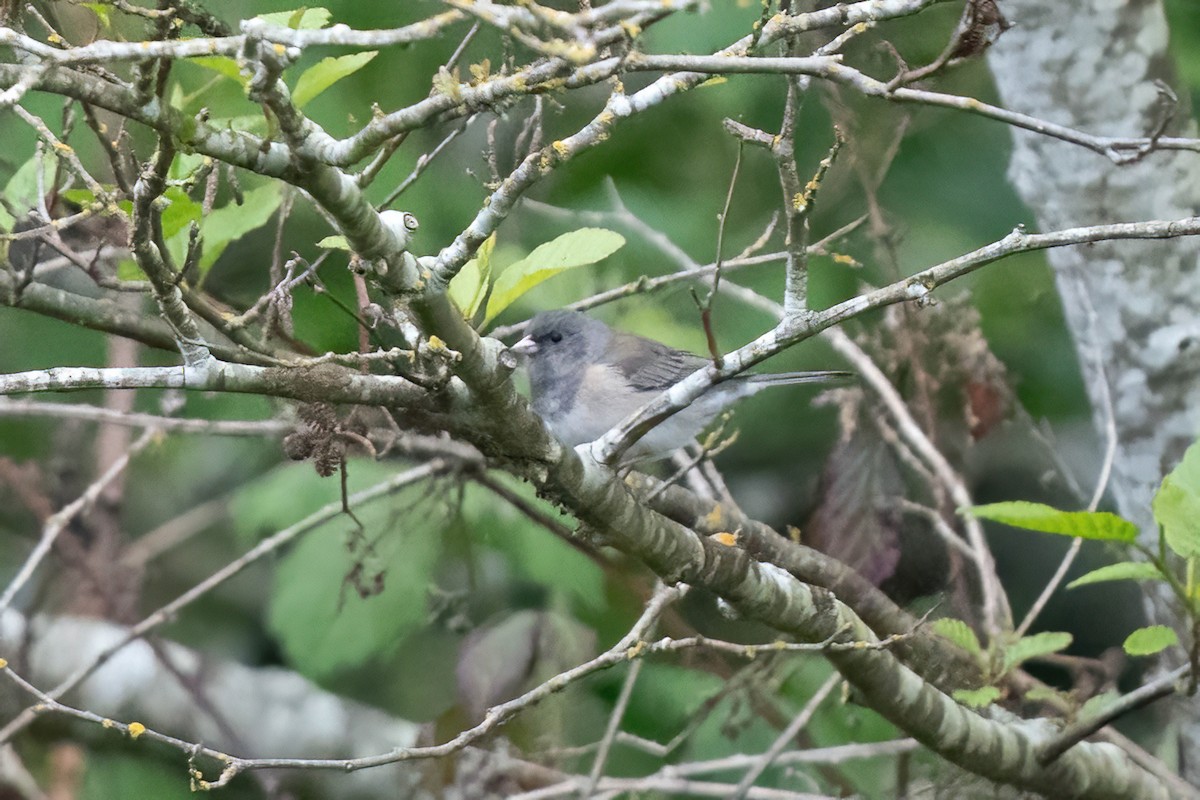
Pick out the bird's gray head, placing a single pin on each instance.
(562, 337)
(559, 346)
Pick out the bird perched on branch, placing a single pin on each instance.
(586, 378)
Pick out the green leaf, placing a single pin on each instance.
(21, 191)
(320, 617)
(468, 288)
(1097, 704)
(303, 18)
(1039, 644)
(1177, 505)
(186, 166)
(80, 197)
(337, 242)
(575, 249)
(176, 99)
(315, 609)
(958, 632)
(128, 270)
(1038, 517)
(326, 73)
(245, 123)
(1150, 640)
(1048, 693)
(1124, 571)
(224, 65)
(232, 222)
(977, 698)
(102, 12)
(180, 212)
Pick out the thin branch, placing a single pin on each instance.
(1071, 735)
(784, 740)
(1119, 149)
(1104, 401)
(37, 408)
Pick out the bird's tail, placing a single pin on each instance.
(791, 378)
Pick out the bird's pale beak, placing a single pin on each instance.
(525, 347)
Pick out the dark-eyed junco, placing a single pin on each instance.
(585, 378)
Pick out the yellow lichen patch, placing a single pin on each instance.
(561, 147)
(3, 664)
(63, 147)
(726, 538)
(107, 723)
(136, 729)
(798, 202)
(279, 49)
(636, 650)
(632, 30)
(437, 345)
(793, 533)
(842, 258)
(716, 518)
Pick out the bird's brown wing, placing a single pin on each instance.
(649, 365)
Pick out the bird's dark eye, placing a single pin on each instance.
(556, 337)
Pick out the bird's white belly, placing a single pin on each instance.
(609, 408)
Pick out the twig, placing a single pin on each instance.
(610, 730)
(173, 532)
(784, 740)
(706, 305)
(1110, 452)
(1143, 696)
